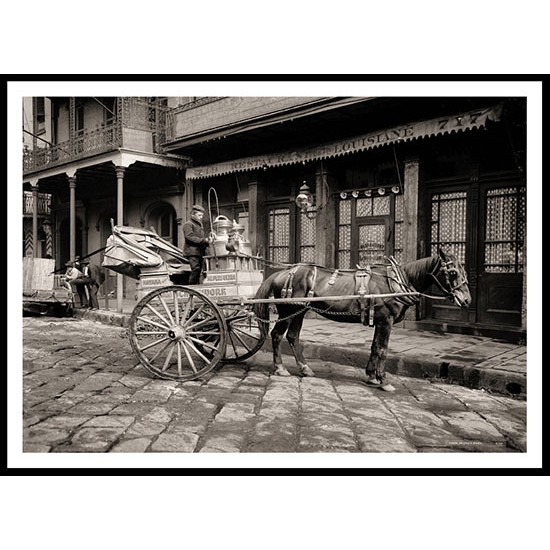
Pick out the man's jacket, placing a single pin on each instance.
(196, 242)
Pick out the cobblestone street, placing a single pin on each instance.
(83, 392)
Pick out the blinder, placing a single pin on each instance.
(450, 272)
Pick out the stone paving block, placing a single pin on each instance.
(139, 429)
(269, 427)
(382, 442)
(326, 440)
(181, 442)
(133, 409)
(37, 435)
(64, 421)
(510, 427)
(470, 425)
(152, 395)
(92, 409)
(158, 414)
(110, 421)
(36, 448)
(138, 445)
(97, 382)
(94, 440)
(235, 413)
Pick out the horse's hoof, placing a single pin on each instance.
(387, 387)
(281, 371)
(306, 371)
(373, 381)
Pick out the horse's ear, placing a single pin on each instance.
(442, 253)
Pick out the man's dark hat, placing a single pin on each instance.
(198, 208)
(85, 262)
(68, 264)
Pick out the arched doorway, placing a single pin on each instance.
(162, 217)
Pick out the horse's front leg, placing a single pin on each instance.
(375, 371)
(276, 338)
(293, 337)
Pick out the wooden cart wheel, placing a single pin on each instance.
(244, 337)
(177, 333)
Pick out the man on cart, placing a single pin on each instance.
(196, 243)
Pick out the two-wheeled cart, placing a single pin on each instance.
(181, 332)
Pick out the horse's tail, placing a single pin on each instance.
(262, 310)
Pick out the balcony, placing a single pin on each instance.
(44, 204)
(140, 125)
(101, 140)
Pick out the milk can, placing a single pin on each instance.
(222, 226)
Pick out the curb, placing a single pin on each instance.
(508, 384)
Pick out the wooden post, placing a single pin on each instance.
(257, 213)
(410, 232)
(120, 221)
(72, 217)
(34, 187)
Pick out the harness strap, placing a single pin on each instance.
(364, 274)
(311, 291)
(286, 291)
(332, 279)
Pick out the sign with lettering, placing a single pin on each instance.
(406, 132)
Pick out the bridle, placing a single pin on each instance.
(449, 269)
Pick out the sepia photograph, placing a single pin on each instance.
(264, 277)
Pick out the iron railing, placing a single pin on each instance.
(43, 203)
(139, 113)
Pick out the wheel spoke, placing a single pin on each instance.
(160, 350)
(166, 309)
(192, 346)
(154, 323)
(189, 358)
(195, 313)
(168, 357)
(245, 344)
(149, 306)
(179, 357)
(177, 310)
(203, 343)
(155, 343)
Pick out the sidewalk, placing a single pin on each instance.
(472, 361)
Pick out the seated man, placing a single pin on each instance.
(73, 281)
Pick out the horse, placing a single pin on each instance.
(311, 281)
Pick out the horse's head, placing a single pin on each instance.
(450, 276)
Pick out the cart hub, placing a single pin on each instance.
(176, 333)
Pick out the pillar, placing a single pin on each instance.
(72, 217)
(413, 243)
(257, 217)
(410, 211)
(119, 170)
(34, 188)
(325, 226)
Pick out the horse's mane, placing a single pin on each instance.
(418, 269)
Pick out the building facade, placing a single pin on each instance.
(339, 181)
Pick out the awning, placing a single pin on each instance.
(407, 132)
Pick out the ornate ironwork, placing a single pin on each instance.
(43, 203)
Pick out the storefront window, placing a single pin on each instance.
(448, 223)
(505, 230)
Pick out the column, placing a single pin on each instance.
(410, 211)
(34, 187)
(412, 241)
(257, 218)
(119, 170)
(72, 217)
(325, 226)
